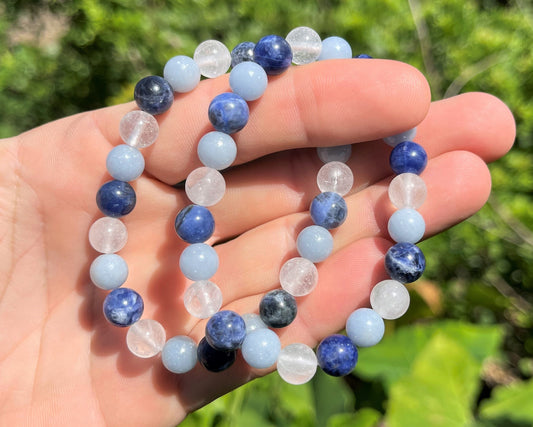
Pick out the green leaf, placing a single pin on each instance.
(513, 402)
(331, 396)
(366, 417)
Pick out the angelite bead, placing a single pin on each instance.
(274, 54)
(408, 156)
(314, 243)
(365, 327)
(108, 235)
(199, 261)
(202, 299)
(194, 224)
(253, 321)
(277, 308)
(328, 210)
(339, 153)
(225, 330)
(123, 307)
(298, 276)
(405, 262)
(116, 198)
(407, 190)
(217, 150)
(182, 73)
(228, 112)
(248, 80)
(138, 129)
(146, 338)
(213, 58)
(243, 52)
(153, 94)
(214, 360)
(297, 363)
(335, 48)
(337, 356)
(406, 225)
(179, 354)
(125, 163)
(394, 140)
(260, 349)
(306, 45)
(336, 177)
(109, 271)
(205, 186)
(390, 299)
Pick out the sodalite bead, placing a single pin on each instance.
(335, 48)
(228, 112)
(394, 140)
(405, 262)
(194, 224)
(274, 54)
(365, 327)
(213, 58)
(202, 299)
(214, 360)
(243, 52)
(153, 94)
(277, 308)
(253, 321)
(408, 156)
(125, 163)
(363, 56)
(314, 243)
(407, 190)
(179, 354)
(108, 235)
(337, 356)
(335, 177)
(248, 80)
(182, 73)
(198, 261)
(340, 153)
(306, 45)
(390, 299)
(138, 129)
(225, 330)
(297, 363)
(123, 307)
(261, 348)
(109, 271)
(406, 225)
(217, 150)
(146, 338)
(328, 210)
(116, 198)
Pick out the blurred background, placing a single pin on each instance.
(463, 355)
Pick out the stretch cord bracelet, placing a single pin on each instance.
(226, 331)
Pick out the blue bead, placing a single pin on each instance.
(179, 355)
(248, 80)
(116, 198)
(225, 330)
(394, 140)
(261, 348)
(109, 271)
(125, 163)
(405, 262)
(277, 308)
(328, 210)
(217, 150)
(123, 307)
(182, 73)
(274, 54)
(337, 356)
(153, 94)
(228, 112)
(314, 243)
(335, 48)
(242, 52)
(365, 327)
(199, 262)
(194, 224)
(214, 360)
(364, 56)
(406, 225)
(408, 156)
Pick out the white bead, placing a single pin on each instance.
(407, 190)
(108, 235)
(213, 58)
(298, 276)
(205, 186)
(146, 338)
(138, 129)
(335, 177)
(390, 299)
(202, 299)
(297, 364)
(305, 45)
(340, 153)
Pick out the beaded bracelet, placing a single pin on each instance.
(226, 331)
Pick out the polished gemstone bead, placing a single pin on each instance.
(390, 299)
(363, 56)
(109, 271)
(337, 356)
(314, 243)
(253, 321)
(116, 198)
(407, 190)
(298, 276)
(146, 338)
(179, 355)
(248, 80)
(406, 225)
(274, 54)
(339, 153)
(153, 94)
(405, 262)
(205, 186)
(202, 299)
(277, 308)
(336, 177)
(213, 58)
(225, 330)
(217, 150)
(138, 129)
(125, 163)
(305, 44)
(108, 235)
(408, 156)
(365, 327)
(328, 210)
(394, 140)
(260, 349)
(182, 73)
(228, 112)
(199, 262)
(335, 48)
(123, 307)
(242, 52)
(214, 360)
(194, 224)
(297, 363)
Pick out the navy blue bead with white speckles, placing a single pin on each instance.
(337, 355)
(116, 198)
(194, 224)
(225, 330)
(277, 308)
(408, 156)
(153, 94)
(123, 307)
(274, 54)
(328, 210)
(228, 112)
(405, 262)
(214, 360)
(243, 52)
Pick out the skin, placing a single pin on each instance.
(62, 363)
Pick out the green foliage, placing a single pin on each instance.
(510, 404)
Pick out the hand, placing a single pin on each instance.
(61, 362)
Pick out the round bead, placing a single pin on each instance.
(116, 198)
(363, 56)
(394, 140)
(108, 235)
(405, 262)
(335, 48)
(365, 327)
(198, 262)
(407, 190)
(274, 54)
(109, 271)
(337, 356)
(182, 73)
(298, 276)
(305, 44)
(194, 224)
(297, 363)
(277, 308)
(328, 210)
(253, 321)
(340, 153)
(248, 80)
(202, 299)
(213, 58)
(179, 355)
(125, 163)
(408, 156)
(217, 150)
(214, 360)
(260, 349)
(314, 243)
(146, 338)
(242, 52)
(153, 94)
(228, 112)
(390, 299)
(336, 177)
(406, 225)
(225, 330)
(205, 186)
(138, 129)
(123, 307)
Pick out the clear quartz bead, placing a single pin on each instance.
(138, 129)
(340, 153)
(335, 177)
(297, 363)
(205, 186)
(298, 276)
(108, 235)
(407, 190)
(305, 45)
(390, 299)
(202, 299)
(213, 58)
(146, 338)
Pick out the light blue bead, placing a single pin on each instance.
(125, 163)
(199, 261)
(314, 243)
(365, 327)
(335, 48)
(182, 73)
(253, 321)
(340, 153)
(394, 140)
(217, 150)
(248, 80)
(261, 348)
(406, 225)
(179, 354)
(109, 271)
